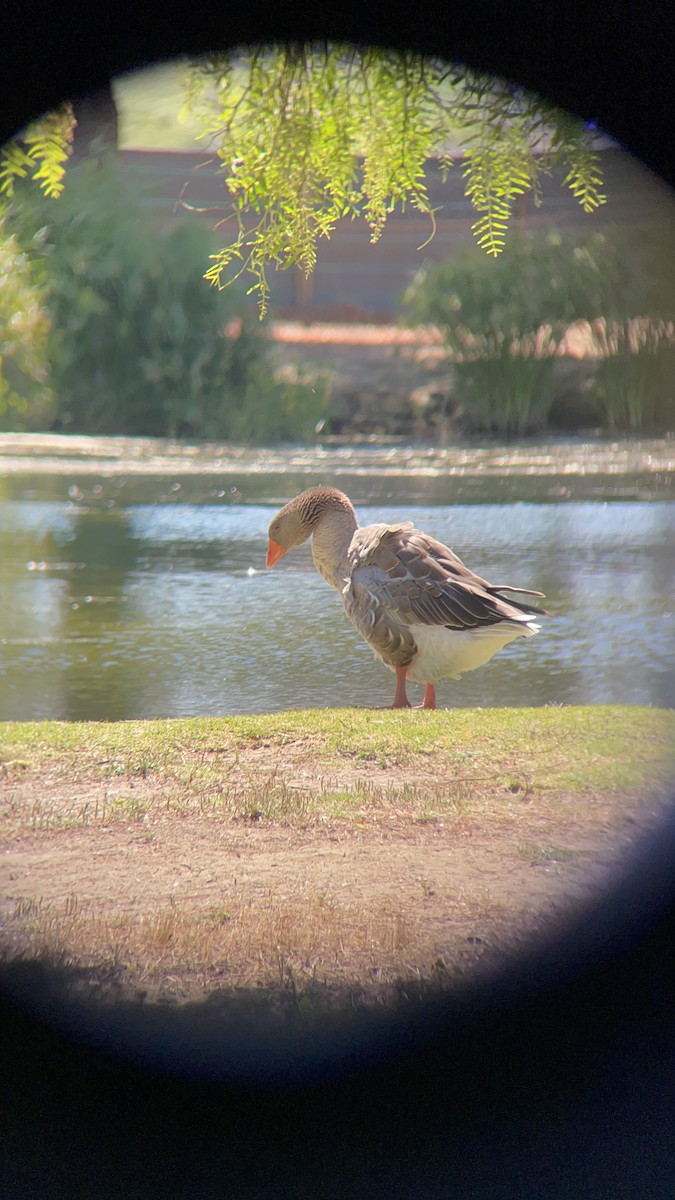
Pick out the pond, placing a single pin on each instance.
(145, 595)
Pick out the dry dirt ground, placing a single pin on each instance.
(164, 895)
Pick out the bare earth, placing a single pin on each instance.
(175, 898)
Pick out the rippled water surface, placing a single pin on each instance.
(122, 600)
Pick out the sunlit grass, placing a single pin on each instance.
(308, 936)
(571, 747)
(346, 766)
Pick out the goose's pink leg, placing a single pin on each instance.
(400, 696)
(429, 698)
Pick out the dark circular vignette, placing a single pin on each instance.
(556, 1080)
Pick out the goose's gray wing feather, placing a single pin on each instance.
(400, 577)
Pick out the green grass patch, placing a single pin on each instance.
(540, 855)
(348, 767)
(576, 748)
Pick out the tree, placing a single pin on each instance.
(504, 323)
(25, 328)
(309, 134)
(40, 153)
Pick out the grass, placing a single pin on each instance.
(541, 854)
(425, 763)
(304, 935)
(329, 952)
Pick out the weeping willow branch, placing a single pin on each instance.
(307, 135)
(40, 153)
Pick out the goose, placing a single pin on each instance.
(425, 614)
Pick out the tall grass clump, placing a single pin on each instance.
(504, 322)
(634, 384)
(137, 344)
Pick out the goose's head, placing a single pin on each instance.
(300, 518)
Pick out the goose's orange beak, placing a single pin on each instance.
(274, 553)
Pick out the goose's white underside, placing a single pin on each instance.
(447, 653)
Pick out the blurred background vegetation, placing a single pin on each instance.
(505, 323)
(109, 327)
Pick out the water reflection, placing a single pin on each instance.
(166, 610)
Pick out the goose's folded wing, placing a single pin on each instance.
(450, 562)
(409, 578)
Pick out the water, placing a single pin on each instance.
(115, 607)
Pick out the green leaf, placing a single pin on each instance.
(41, 151)
(308, 135)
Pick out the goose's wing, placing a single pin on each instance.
(402, 577)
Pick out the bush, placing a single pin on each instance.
(504, 322)
(137, 344)
(24, 339)
(635, 390)
(508, 394)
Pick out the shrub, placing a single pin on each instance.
(504, 322)
(635, 389)
(24, 339)
(508, 393)
(138, 343)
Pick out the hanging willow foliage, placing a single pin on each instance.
(306, 135)
(40, 152)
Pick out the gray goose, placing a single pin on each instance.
(425, 614)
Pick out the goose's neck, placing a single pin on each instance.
(330, 545)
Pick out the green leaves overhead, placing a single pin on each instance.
(518, 138)
(41, 153)
(307, 135)
(306, 138)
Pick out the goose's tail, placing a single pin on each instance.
(497, 588)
